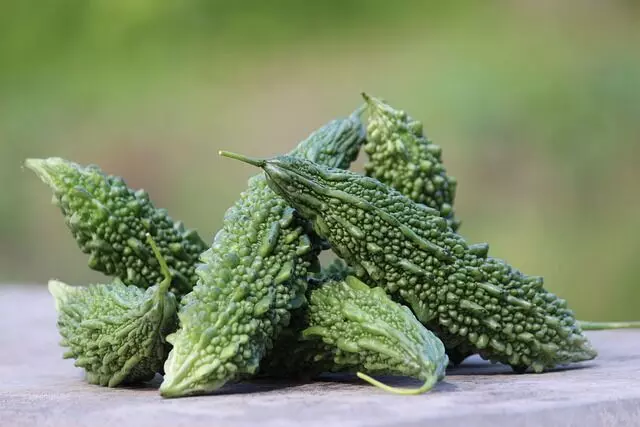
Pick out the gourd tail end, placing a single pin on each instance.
(246, 159)
(372, 101)
(428, 385)
(44, 169)
(59, 290)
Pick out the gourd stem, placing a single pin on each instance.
(164, 268)
(251, 160)
(595, 326)
(428, 385)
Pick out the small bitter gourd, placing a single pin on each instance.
(114, 331)
(411, 251)
(349, 326)
(401, 156)
(109, 221)
(252, 276)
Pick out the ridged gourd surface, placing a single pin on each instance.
(114, 331)
(109, 221)
(400, 156)
(252, 276)
(351, 327)
(410, 250)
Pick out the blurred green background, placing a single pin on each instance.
(535, 103)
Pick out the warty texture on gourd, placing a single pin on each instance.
(350, 327)
(114, 331)
(109, 221)
(400, 156)
(252, 276)
(410, 250)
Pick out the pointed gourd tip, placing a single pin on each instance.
(173, 388)
(371, 101)
(33, 163)
(169, 392)
(56, 287)
(38, 166)
(59, 290)
(45, 168)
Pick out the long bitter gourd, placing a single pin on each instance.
(114, 331)
(410, 250)
(400, 156)
(351, 327)
(109, 221)
(252, 276)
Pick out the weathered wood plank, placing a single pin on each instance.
(37, 387)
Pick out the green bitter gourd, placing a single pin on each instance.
(400, 156)
(252, 276)
(410, 250)
(348, 326)
(109, 221)
(114, 331)
(403, 158)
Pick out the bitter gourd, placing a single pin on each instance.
(400, 156)
(109, 221)
(351, 327)
(252, 276)
(410, 250)
(114, 331)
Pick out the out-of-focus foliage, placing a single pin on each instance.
(535, 104)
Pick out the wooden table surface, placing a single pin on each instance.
(39, 388)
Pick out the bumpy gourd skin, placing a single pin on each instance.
(348, 326)
(252, 276)
(114, 331)
(109, 221)
(410, 250)
(400, 156)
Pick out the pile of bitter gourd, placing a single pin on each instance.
(408, 295)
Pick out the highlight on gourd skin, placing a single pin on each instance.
(408, 295)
